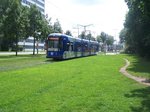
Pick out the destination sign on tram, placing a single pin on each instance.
(51, 38)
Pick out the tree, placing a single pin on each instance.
(46, 28)
(15, 23)
(82, 35)
(122, 35)
(98, 38)
(57, 27)
(25, 21)
(89, 36)
(19, 22)
(35, 22)
(106, 40)
(109, 40)
(4, 9)
(137, 26)
(68, 32)
(103, 37)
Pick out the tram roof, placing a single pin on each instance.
(70, 37)
(63, 35)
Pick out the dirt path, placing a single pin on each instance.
(138, 79)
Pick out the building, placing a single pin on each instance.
(39, 3)
(27, 44)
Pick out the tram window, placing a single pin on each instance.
(60, 45)
(53, 44)
(67, 48)
(71, 47)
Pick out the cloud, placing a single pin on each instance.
(105, 15)
(86, 2)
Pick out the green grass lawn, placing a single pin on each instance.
(8, 63)
(90, 84)
(139, 67)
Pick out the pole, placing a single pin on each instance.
(84, 26)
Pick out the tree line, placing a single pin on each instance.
(104, 39)
(136, 32)
(18, 22)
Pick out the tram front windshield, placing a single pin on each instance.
(53, 44)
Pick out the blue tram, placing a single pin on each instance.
(60, 46)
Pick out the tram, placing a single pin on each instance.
(61, 46)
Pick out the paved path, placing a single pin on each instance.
(138, 79)
(13, 53)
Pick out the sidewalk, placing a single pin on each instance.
(14, 53)
(112, 53)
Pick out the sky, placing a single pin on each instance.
(102, 15)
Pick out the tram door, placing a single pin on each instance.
(71, 47)
(68, 50)
(71, 53)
